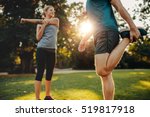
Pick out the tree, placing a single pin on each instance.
(18, 39)
(141, 49)
(146, 7)
(137, 55)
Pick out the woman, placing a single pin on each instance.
(46, 34)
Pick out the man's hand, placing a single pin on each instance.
(84, 13)
(82, 46)
(134, 34)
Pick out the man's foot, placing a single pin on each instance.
(125, 33)
(48, 98)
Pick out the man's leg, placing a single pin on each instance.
(116, 55)
(106, 77)
(105, 63)
(108, 87)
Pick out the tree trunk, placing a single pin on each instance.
(27, 62)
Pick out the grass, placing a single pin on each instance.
(130, 85)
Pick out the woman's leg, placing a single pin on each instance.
(47, 87)
(50, 64)
(40, 59)
(37, 86)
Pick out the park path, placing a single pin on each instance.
(69, 70)
(59, 71)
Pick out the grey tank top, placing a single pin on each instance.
(49, 38)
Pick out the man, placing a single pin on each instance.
(108, 50)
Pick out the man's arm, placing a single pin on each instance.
(83, 42)
(125, 15)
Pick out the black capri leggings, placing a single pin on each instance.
(45, 58)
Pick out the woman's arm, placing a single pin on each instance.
(33, 21)
(52, 21)
(40, 30)
(125, 15)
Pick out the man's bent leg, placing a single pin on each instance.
(116, 55)
(105, 63)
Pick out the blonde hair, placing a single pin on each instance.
(46, 7)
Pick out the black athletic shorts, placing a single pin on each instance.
(105, 41)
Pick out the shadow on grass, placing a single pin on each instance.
(15, 86)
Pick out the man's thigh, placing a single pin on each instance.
(101, 61)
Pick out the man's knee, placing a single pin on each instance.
(102, 72)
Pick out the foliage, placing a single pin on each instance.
(18, 39)
(141, 49)
(146, 7)
(137, 55)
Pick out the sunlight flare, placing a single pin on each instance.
(85, 27)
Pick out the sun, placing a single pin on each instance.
(85, 27)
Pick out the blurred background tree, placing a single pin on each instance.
(139, 52)
(17, 40)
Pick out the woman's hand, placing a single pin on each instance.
(45, 22)
(23, 20)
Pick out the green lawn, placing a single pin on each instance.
(130, 85)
